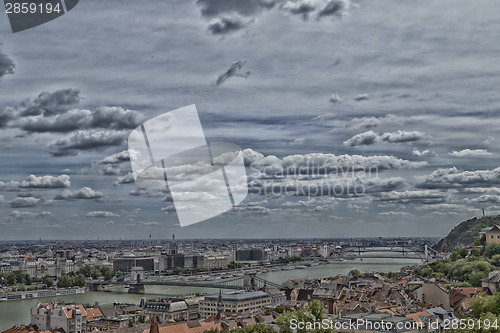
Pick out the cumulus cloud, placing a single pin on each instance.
(115, 118)
(319, 163)
(32, 181)
(111, 165)
(233, 71)
(335, 99)
(418, 152)
(470, 153)
(52, 103)
(25, 202)
(361, 97)
(409, 197)
(370, 137)
(86, 140)
(101, 214)
(20, 216)
(83, 193)
(448, 178)
(127, 179)
(6, 65)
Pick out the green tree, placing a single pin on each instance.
(142, 317)
(354, 272)
(259, 328)
(131, 322)
(48, 281)
(311, 320)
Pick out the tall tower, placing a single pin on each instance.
(325, 251)
(220, 307)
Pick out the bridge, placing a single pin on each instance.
(137, 283)
(422, 252)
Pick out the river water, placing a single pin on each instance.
(18, 312)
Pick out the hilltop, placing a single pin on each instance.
(466, 233)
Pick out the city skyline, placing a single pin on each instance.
(356, 120)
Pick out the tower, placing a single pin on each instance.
(220, 307)
(154, 325)
(325, 251)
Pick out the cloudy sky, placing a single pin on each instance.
(356, 118)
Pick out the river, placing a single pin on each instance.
(18, 312)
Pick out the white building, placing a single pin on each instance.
(49, 316)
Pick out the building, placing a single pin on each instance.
(167, 310)
(237, 302)
(50, 316)
(173, 261)
(493, 236)
(492, 282)
(215, 262)
(254, 254)
(126, 264)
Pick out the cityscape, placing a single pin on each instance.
(249, 166)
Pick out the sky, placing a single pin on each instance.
(355, 118)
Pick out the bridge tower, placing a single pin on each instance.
(426, 253)
(136, 275)
(325, 251)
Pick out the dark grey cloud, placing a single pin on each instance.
(335, 8)
(233, 71)
(449, 178)
(86, 140)
(6, 114)
(228, 16)
(116, 118)
(6, 65)
(225, 25)
(370, 137)
(248, 8)
(83, 193)
(52, 103)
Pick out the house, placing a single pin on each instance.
(492, 282)
(493, 236)
(50, 316)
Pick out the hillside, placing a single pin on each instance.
(466, 232)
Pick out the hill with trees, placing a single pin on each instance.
(466, 233)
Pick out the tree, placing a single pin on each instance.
(259, 328)
(131, 322)
(354, 272)
(142, 317)
(48, 281)
(310, 319)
